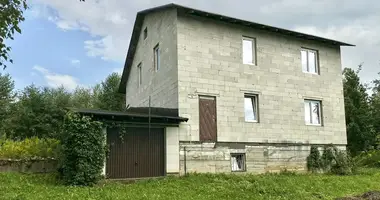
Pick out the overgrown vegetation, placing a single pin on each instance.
(83, 150)
(368, 159)
(333, 161)
(203, 186)
(39, 111)
(360, 113)
(313, 161)
(29, 149)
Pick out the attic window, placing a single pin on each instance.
(249, 51)
(145, 33)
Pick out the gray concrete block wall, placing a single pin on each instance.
(162, 85)
(210, 63)
(207, 158)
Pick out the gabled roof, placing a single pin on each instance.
(191, 11)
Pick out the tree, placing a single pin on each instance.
(7, 96)
(38, 112)
(11, 14)
(375, 107)
(82, 98)
(109, 98)
(360, 132)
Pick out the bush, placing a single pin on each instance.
(368, 159)
(83, 150)
(314, 160)
(332, 160)
(29, 149)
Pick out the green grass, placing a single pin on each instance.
(196, 186)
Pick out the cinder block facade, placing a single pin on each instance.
(161, 85)
(203, 57)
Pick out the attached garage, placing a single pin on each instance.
(137, 153)
(143, 147)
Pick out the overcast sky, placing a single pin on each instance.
(71, 43)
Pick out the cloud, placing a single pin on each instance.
(110, 22)
(57, 80)
(118, 70)
(75, 62)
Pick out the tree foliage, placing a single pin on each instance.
(375, 109)
(11, 14)
(6, 98)
(39, 111)
(109, 98)
(360, 132)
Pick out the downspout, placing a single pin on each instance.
(185, 167)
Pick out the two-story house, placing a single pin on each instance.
(256, 96)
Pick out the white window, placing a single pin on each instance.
(249, 51)
(309, 60)
(313, 112)
(238, 162)
(139, 71)
(156, 51)
(250, 108)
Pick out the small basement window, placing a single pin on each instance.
(238, 162)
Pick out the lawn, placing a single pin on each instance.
(196, 186)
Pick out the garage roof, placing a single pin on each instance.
(140, 115)
(195, 12)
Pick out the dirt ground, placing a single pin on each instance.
(373, 195)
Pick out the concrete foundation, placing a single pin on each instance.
(259, 158)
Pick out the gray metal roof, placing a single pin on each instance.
(191, 11)
(136, 114)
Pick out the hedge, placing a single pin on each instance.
(29, 149)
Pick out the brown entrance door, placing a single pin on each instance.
(135, 154)
(207, 119)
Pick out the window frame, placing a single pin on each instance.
(254, 50)
(145, 33)
(255, 107)
(309, 101)
(156, 53)
(139, 71)
(316, 61)
(244, 164)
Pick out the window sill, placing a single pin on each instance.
(312, 73)
(253, 121)
(249, 64)
(314, 125)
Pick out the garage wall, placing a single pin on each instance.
(172, 150)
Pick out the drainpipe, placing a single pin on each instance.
(185, 167)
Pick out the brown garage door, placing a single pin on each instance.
(135, 154)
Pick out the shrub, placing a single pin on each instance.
(83, 150)
(332, 160)
(314, 160)
(29, 149)
(368, 159)
(343, 164)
